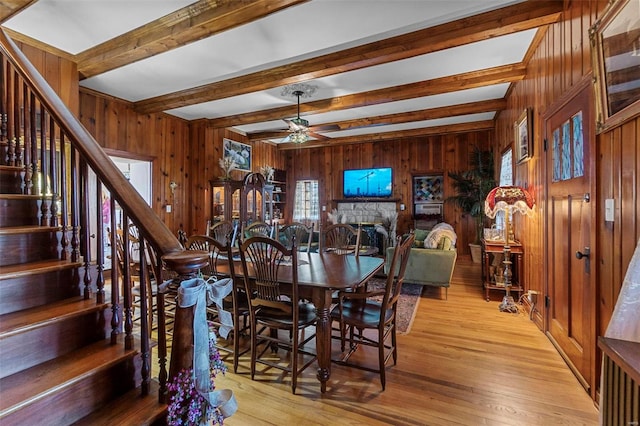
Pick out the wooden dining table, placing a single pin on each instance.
(319, 275)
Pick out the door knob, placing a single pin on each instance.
(580, 255)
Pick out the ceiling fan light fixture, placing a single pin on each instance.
(298, 137)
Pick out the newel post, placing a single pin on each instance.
(186, 264)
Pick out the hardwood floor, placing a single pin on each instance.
(463, 363)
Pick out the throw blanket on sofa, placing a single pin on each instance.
(438, 232)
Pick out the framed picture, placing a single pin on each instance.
(615, 49)
(523, 136)
(239, 152)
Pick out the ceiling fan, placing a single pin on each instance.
(299, 129)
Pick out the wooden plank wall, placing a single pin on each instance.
(561, 61)
(206, 151)
(159, 138)
(407, 157)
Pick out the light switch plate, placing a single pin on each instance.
(609, 207)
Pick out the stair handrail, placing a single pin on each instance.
(121, 189)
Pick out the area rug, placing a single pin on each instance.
(407, 305)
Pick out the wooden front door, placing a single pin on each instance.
(570, 289)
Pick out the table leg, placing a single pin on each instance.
(322, 300)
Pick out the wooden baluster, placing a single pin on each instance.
(33, 142)
(64, 242)
(3, 104)
(162, 332)
(26, 152)
(126, 285)
(115, 288)
(99, 245)
(74, 189)
(144, 323)
(86, 227)
(17, 159)
(53, 173)
(44, 170)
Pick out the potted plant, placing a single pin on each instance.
(471, 187)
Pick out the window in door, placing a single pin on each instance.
(306, 206)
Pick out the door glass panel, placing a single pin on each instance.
(578, 145)
(556, 155)
(566, 150)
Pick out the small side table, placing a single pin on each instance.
(490, 248)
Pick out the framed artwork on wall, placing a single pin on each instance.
(615, 49)
(238, 152)
(523, 136)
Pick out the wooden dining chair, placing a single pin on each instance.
(271, 309)
(222, 231)
(257, 228)
(236, 302)
(357, 312)
(340, 238)
(204, 243)
(302, 233)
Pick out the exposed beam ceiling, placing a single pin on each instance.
(383, 70)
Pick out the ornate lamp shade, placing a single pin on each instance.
(508, 198)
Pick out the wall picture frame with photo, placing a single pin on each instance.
(238, 152)
(523, 136)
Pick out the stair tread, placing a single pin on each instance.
(10, 230)
(28, 319)
(131, 408)
(21, 269)
(25, 387)
(4, 167)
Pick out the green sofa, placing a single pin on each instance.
(428, 266)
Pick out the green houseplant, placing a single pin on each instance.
(471, 188)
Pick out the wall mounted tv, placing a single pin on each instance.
(361, 183)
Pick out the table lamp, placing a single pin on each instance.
(508, 199)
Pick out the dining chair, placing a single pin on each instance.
(340, 238)
(221, 231)
(236, 302)
(204, 243)
(302, 233)
(257, 228)
(359, 311)
(271, 309)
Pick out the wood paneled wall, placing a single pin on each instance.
(619, 179)
(206, 151)
(407, 157)
(57, 72)
(560, 62)
(162, 139)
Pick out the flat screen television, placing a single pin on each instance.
(360, 183)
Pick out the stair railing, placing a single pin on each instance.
(64, 168)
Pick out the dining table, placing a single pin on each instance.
(319, 275)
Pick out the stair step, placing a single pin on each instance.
(41, 316)
(44, 383)
(19, 209)
(130, 409)
(10, 181)
(34, 268)
(23, 244)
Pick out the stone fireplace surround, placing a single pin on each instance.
(365, 211)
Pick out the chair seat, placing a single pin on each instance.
(361, 314)
(269, 316)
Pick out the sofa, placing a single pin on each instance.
(433, 265)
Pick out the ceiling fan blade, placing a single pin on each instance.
(325, 128)
(319, 136)
(297, 124)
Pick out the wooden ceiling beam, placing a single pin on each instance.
(191, 23)
(402, 117)
(507, 20)
(379, 137)
(453, 83)
(8, 8)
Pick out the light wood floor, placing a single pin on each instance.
(463, 363)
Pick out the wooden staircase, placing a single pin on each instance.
(68, 350)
